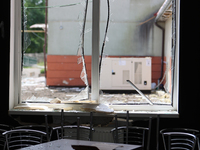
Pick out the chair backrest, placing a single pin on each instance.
(178, 139)
(6, 127)
(136, 135)
(39, 128)
(185, 130)
(73, 132)
(132, 134)
(3, 128)
(19, 138)
(198, 140)
(45, 128)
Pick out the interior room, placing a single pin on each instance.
(102, 68)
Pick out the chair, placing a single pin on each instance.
(19, 138)
(44, 128)
(3, 128)
(136, 135)
(132, 134)
(179, 138)
(74, 131)
(198, 142)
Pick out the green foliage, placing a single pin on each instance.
(35, 16)
(42, 71)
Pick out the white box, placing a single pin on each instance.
(115, 72)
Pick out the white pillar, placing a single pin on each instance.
(95, 50)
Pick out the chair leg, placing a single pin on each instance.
(116, 127)
(7, 145)
(149, 134)
(78, 129)
(127, 124)
(157, 132)
(143, 139)
(198, 142)
(62, 122)
(47, 129)
(169, 142)
(91, 125)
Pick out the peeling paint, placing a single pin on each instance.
(65, 82)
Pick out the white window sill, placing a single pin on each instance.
(76, 109)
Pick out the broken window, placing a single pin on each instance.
(131, 50)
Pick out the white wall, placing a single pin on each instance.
(125, 35)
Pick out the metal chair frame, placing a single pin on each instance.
(42, 128)
(179, 138)
(45, 128)
(139, 133)
(3, 128)
(74, 131)
(198, 142)
(19, 138)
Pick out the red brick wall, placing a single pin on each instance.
(63, 70)
(156, 69)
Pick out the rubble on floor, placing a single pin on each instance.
(33, 90)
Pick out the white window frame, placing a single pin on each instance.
(15, 66)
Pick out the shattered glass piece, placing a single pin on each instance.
(83, 3)
(79, 52)
(65, 82)
(80, 17)
(80, 23)
(70, 79)
(107, 39)
(83, 76)
(79, 60)
(80, 29)
(88, 30)
(83, 95)
(26, 38)
(105, 55)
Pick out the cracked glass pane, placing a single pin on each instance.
(128, 35)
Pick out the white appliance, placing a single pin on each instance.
(115, 72)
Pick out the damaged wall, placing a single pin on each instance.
(125, 34)
(131, 32)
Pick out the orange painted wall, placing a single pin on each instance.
(63, 70)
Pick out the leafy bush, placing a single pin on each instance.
(42, 71)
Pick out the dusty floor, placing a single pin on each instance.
(33, 89)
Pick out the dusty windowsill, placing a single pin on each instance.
(77, 109)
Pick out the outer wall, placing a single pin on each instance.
(63, 70)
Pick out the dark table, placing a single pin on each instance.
(66, 144)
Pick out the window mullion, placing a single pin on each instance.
(95, 50)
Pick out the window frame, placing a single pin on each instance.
(15, 67)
